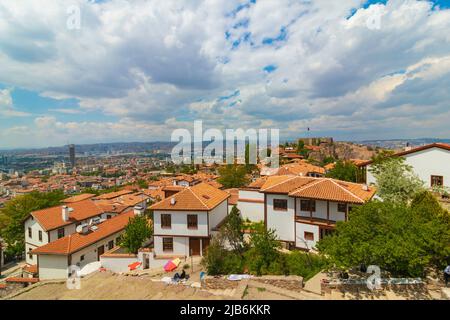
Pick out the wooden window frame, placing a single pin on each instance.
(40, 235)
(308, 236)
(167, 247)
(441, 178)
(342, 204)
(308, 205)
(30, 233)
(190, 224)
(278, 208)
(59, 233)
(163, 222)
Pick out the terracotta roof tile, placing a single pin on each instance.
(319, 188)
(79, 197)
(76, 241)
(51, 218)
(201, 197)
(112, 195)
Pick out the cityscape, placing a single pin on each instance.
(235, 153)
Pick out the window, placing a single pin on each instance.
(30, 234)
(82, 258)
(40, 235)
(110, 245)
(309, 236)
(29, 254)
(308, 205)
(166, 221)
(60, 233)
(192, 221)
(108, 216)
(437, 181)
(280, 204)
(325, 232)
(342, 207)
(167, 244)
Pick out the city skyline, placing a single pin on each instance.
(331, 67)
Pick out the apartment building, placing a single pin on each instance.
(185, 221)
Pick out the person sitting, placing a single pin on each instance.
(447, 275)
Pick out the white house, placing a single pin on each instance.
(430, 162)
(250, 201)
(47, 225)
(184, 222)
(302, 210)
(80, 248)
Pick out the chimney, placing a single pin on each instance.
(138, 210)
(365, 187)
(65, 213)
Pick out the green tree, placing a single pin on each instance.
(17, 209)
(263, 252)
(233, 176)
(401, 239)
(232, 231)
(345, 171)
(396, 181)
(136, 232)
(142, 184)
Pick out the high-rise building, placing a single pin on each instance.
(72, 155)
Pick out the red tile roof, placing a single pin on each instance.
(319, 189)
(201, 197)
(79, 197)
(77, 241)
(51, 218)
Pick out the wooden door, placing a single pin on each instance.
(205, 244)
(194, 246)
(100, 251)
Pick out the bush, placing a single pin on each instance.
(305, 265)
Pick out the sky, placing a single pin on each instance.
(80, 71)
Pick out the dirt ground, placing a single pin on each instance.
(108, 286)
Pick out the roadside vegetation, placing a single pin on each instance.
(137, 231)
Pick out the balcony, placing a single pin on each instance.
(316, 221)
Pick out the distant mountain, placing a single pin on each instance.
(401, 143)
(97, 148)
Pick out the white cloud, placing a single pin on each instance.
(6, 105)
(171, 62)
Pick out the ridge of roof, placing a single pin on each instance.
(348, 191)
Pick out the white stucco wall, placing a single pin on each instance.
(321, 211)
(52, 267)
(116, 264)
(180, 246)
(281, 221)
(33, 242)
(425, 163)
(217, 215)
(300, 241)
(179, 223)
(253, 211)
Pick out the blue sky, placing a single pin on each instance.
(135, 71)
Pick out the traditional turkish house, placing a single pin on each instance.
(430, 162)
(185, 221)
(80, 248)
(302, 210)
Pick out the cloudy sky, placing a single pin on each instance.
(136, 70)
